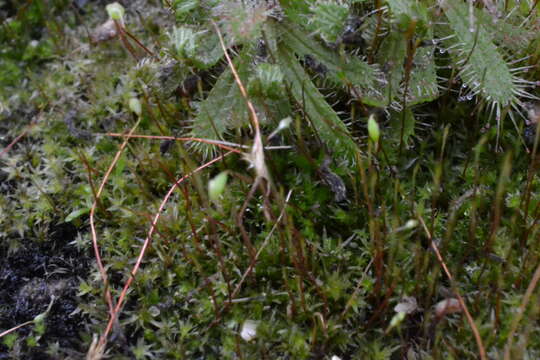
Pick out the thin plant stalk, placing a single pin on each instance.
(146, 244)
(257, 153)
(15, 328)
(253, 261)
(521, 311)
(470, 320)
(101, 268)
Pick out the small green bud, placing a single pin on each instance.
(115, 11)
(397, 320)
(135, 106)
(216, 186)
(373, 129)
(40, 317)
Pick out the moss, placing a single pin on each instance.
(317, 277)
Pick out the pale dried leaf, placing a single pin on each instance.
(447, 306)
(105, 31)
(256, 158)
(407, 305)
(95, 352)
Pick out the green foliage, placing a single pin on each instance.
(183, 40)
(482, 67)
(422, 85)
(23, 45)
(267, 81)
(342, 70)
(223, 108)
(375, 101)
(325, 121)
(328, 19)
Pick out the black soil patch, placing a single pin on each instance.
(36, 276)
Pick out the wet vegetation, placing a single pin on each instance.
(207, 179)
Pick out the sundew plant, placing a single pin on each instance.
(294, 179)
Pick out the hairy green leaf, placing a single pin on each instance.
(324, 119)
(328, 19)
(343, 70)
(422, 86)
(482, 68)
(222, 108)
(508, 31)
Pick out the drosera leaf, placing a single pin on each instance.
(341, 69)
(422, 85)
(423, 82)
(391, 54)
(224, 108)
(207, 52)
(184, 40)
(508, 31)
(406, 119)
(198, 47)
(328, 19)
(267, 81)
(325, 120)
(483, 69)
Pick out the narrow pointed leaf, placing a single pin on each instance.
(484, 69)
(326, 122)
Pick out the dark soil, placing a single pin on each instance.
(30, 278)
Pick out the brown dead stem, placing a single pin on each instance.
(98, 349)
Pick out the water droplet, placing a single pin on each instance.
(464, 86)
(442, 51)
(469, 96)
